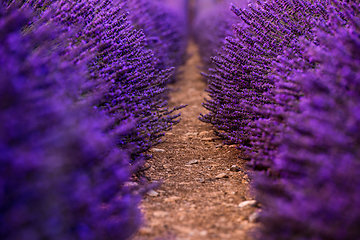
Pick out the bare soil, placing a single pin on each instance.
(192, 203)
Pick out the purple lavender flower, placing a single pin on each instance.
(282, 99)
(165, 27)
(123, 74)
(317, 194)
(239, 82)
(61, 174)
(212, 24)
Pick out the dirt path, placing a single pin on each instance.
(192, 203)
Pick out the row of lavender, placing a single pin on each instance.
(286, 89)
(81, 100)
(211, 25)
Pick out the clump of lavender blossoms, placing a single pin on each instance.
(129, 84)
(301, 103)
(239, 77)
(164, 27)
(212, 24)
(316, 194)
(61, 174)
(80, 104)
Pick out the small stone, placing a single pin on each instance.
(232, 146)
(202, 180)
(191, 134)
(221, 175)
(160, 214)
(166, 166)
(157, 150)
(243, 181)
(247, 203)
(219, 146)
(194, 161)
(152, 193)
(234, 168)
(156, 222)
(254, 217)
(203, 133)
(146, 166)
(171, 199)
(131, 184)
(145, 231)
(207, 139)
(241, 219)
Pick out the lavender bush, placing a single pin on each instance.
(287, 93)
(61, 174)
(240, 76)
(165, 27)
(317, 194)
(72, 160)
(282, 100)
(127, 81)
(212, 24)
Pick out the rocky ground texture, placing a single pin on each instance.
(204, 192)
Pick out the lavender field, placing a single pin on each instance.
(91, 141)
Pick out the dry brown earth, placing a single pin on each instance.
(199, 196)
